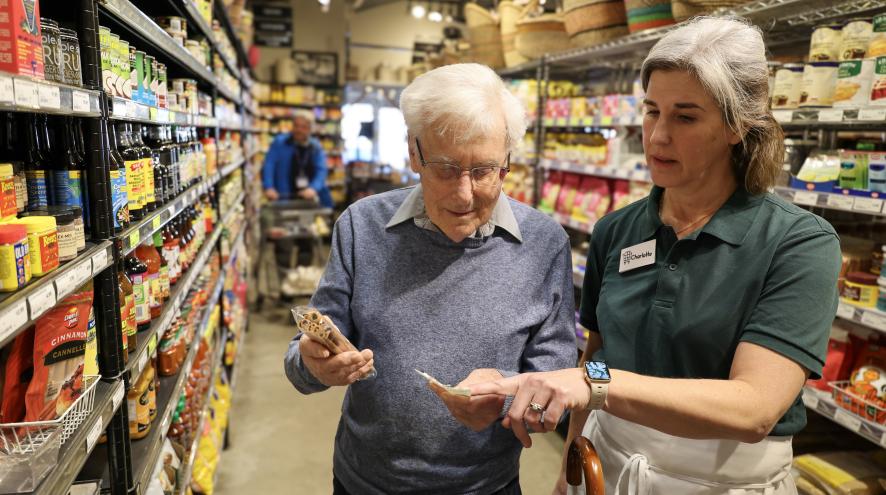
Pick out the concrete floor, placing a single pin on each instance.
(281, 441)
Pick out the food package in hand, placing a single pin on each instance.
(320, 328)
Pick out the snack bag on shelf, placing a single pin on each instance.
(18, 370)
(867, 384)
(550, 191)
(842, 472)
(567, 193)
(620, 194)
(59, 348)
(638, 190)
(578, 211)
(838, 362)
(596, 200)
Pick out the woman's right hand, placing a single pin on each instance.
(334, 370)
(555, 391)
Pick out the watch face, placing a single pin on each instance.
(597, 370)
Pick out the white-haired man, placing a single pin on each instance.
(450, 277)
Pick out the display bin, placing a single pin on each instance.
(856, 404)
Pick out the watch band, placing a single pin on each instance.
(598, 395)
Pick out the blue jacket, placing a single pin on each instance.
(277, 171)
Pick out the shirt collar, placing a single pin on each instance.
(414, 208)
(731, 223)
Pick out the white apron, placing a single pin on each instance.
(641, 461)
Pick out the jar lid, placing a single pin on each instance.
(45, 21)
(67, 32)
(832, 25)
(36, 223)
(11, 233)
(862, 278)
(6, 169)
(62, 214)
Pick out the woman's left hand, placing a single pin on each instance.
(553, 392)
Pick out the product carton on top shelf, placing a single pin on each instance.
(21, 46)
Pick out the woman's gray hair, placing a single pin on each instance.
(306, 115)
(463, 103)
(728, 57)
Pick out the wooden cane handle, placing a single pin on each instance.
(583, 460)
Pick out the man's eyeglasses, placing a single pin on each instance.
(482, 176)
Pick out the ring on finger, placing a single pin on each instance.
(535, 406)
(542, 419)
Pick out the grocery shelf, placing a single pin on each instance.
(833, 201)
(187, 465)
(822, 403)
(568, 221)
(303, 105)
(21, 308)
(869, 317)
(131, 111)
(148, 339)
(522, 70)
(596, 121)
(229, 169)
(606, 171)
(229, 94)
(838, 119)
(75, 452)
(29, 94)
(222, 15)
(127, 14)
(146, 227)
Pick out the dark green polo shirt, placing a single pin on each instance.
(762, 270)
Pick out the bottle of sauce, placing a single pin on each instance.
(67, 178)
(119, 190)
(165, 281)
(147, 254)
(127, 311)
(35, 168)
(141, 290)
(171, 252)
(135, 179)
(147, 168)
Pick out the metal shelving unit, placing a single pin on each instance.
(605, 171)
(26, 94)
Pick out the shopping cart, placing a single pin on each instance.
(291, 256)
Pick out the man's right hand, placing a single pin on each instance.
(272, 194)
(334, 370)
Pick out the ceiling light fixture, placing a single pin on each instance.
(418, 11)
(435, 16)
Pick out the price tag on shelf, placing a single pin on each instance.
(840, 201)
(50, 97)
(874, 320)
(80, 101)
(783, 116)
(134, 238)
(807, 198)
(142, 362)
(164, 426)
(41, 300)
(845, 311)
(156, 222)
(73, 278)
(574, 121)
(94, 433)
(152, 345)
(152, 114)
(131, 109)
(830, 115)
(560, 122)
(810, 400)
(99, 261)
(13, 318)
(868, 205)
(26, 94)
(847, 419)
(7, 90)
(872, 114)
(162, 115)
(117, 399)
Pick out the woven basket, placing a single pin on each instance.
(509, 13)
(539, 35)
(648, 14)
(684, 9)
(591, 22)
(485, 36)
(476, 16)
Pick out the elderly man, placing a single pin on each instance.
(446, 277)
(295, 166)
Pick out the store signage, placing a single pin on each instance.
(273, 24)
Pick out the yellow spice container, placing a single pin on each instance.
(42, 243)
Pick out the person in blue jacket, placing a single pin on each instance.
(295, 166)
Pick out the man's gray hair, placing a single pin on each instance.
(728, 57)
(463, 103)
(306, 115)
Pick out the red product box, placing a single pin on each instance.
(21, 44)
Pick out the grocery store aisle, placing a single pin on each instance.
(281, 441)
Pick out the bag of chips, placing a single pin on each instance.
(18, 371)
(59, 348)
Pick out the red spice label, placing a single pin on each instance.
(49, 251)
(7, 198)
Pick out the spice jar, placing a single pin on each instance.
(70, 49)
(825, 43)
(8, 206)
(15, 265)
(42, 243)
(67, 230)
(80, 227)
(860, 289)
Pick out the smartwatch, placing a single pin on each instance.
(597, 377)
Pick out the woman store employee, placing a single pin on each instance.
(709, 302)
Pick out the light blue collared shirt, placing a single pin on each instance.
(414, 208)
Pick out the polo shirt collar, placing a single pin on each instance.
(414, 207)
(731, 223)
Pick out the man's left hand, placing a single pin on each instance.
(477, 413)
(308, 193)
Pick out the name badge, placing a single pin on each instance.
(301, 182)
(636, 256)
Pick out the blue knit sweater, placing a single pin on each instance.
(419, 300)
